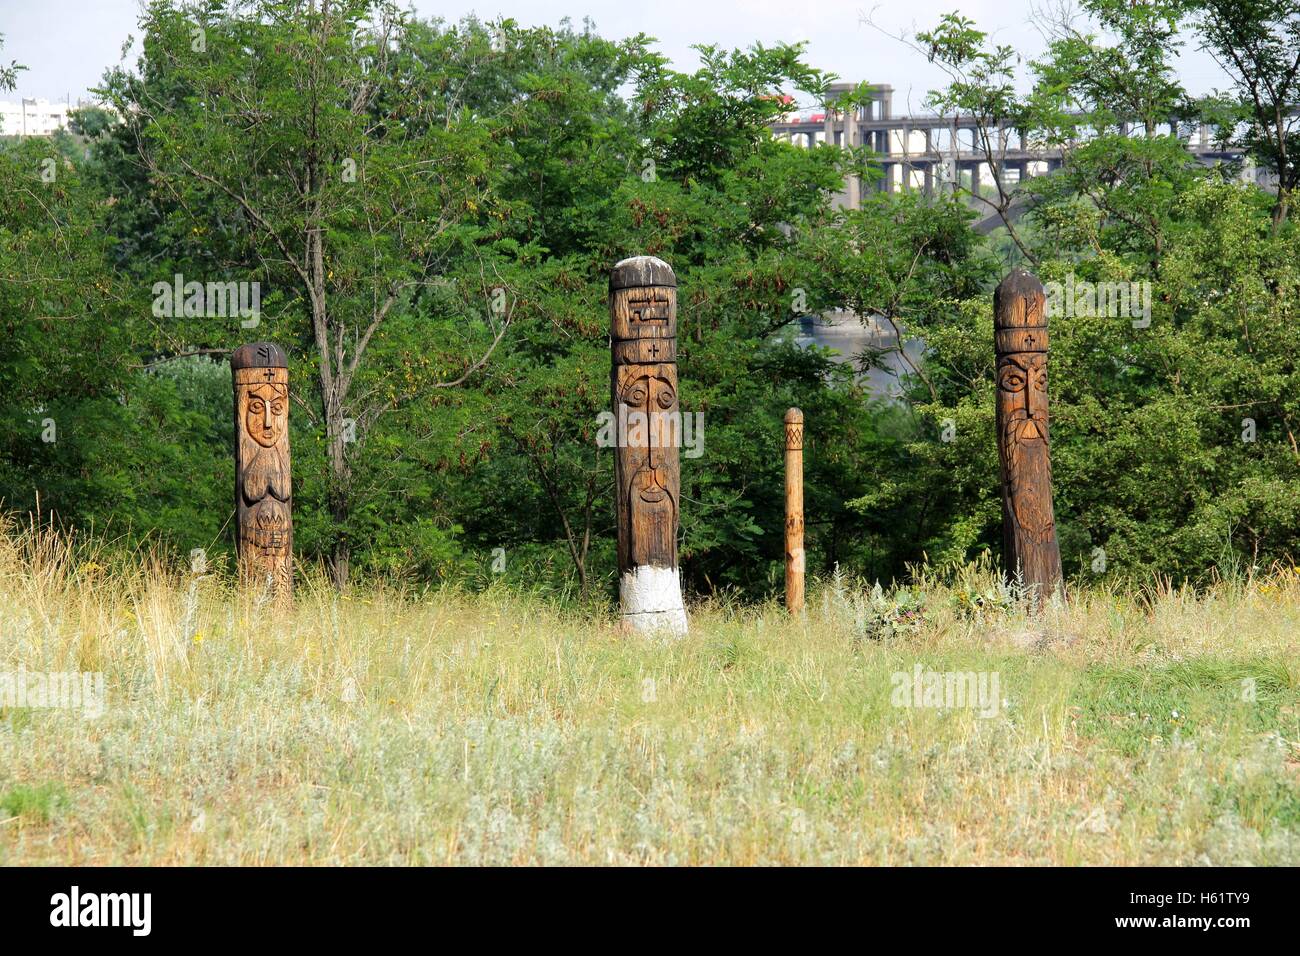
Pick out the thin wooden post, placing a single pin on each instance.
(1030, 547)
(794, 553)
(263, 486)
(643, 381)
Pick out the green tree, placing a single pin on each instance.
(1257, 42)
(85, 433)
(298, 151)
(1174, 446)
(9, 74)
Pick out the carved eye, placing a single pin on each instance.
(1013, 380)
(1041, 382)
(636, 395)
(277, 408)
(255, 406)
(666, 399)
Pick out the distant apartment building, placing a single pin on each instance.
(34, 117)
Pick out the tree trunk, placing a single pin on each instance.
(339, 495)
(1280, 210)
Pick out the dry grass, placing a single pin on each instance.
(490, 728)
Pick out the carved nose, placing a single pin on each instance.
(652, 440)
(1030, 431)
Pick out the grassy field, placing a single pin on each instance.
(1155, 727)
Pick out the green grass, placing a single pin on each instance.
(1158, 727)
(32, 803)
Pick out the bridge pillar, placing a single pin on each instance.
(853, 137)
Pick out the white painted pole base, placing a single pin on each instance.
(651, 601)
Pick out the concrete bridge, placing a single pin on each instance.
(933, 153)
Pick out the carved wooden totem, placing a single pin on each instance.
(263, 492)
(643, 339)
(1028, 524)
(794, 554)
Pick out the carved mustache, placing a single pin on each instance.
(652, 489)
(1026, 427)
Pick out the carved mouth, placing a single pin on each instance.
(653, 495)
(1028, 430)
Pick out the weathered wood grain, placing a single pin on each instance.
(794, 552)
(1030, 547)
(263, 485)
(643, 380)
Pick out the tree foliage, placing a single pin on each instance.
(430, 211)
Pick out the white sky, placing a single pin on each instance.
(67, 44)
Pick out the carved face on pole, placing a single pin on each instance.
(263, 487)
(650, 462)
(268, 413)
(1024, 445)
(643, 311)
(1022, 402)
(645, 389)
